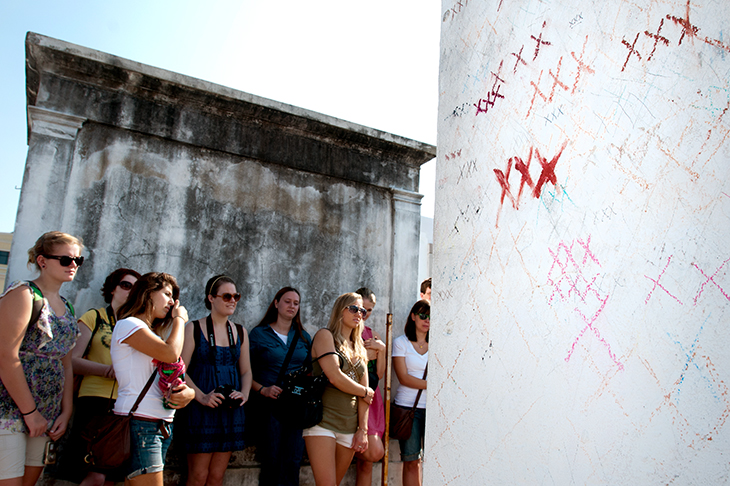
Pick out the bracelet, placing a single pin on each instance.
(34, 409)
(181, 317)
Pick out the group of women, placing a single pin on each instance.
(120, 346)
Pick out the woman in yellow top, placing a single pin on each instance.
(344, 427)
(95, 328)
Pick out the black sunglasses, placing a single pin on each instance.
(65, 261)
(424, 316)
(355, 309)
(125, 285)
(228, 297)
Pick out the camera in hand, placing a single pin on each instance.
(228, 402)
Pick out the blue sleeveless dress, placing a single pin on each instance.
(212, 429)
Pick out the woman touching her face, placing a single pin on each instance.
(151, 328)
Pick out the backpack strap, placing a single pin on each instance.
(35, 313)
(97, 325)
(38, 300)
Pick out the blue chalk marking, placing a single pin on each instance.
(690, 361)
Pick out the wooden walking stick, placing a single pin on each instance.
(386, 389)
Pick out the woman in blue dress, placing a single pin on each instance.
(218, 369)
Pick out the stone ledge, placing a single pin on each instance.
(243, 470)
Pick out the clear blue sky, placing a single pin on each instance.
(374, 63)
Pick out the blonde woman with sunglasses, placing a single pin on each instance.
(36, 377)
(216, 353)
(93, 361)
(339, 353)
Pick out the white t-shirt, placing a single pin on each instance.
(283, 337)
(133, 369)
(415, 365)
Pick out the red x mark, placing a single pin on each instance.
(657, 38)
(539, 41)
(687, 28)
(581, 65)
(632, 50)
(548, 170)
(524, 169)
(503, 180)
(519, 59)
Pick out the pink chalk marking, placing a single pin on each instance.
(588, 250)
(657, 284)
(596, 332)
(569, 269)
(702, 287)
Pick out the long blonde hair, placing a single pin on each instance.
(335, 327)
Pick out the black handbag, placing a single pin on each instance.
(299, 405)
(401, 418)
(108, 437)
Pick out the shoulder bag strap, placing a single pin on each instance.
(93, 333)
(289, 354)
(327, 354)
(143, 392)
(418, 397)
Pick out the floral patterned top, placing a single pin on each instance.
(43, 347)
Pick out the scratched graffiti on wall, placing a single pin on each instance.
(582, 221)
(573, 279)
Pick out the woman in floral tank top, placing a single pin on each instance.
(36, 378)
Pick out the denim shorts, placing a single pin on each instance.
(148, 447)
(411, 449)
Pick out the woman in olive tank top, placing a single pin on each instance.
(343, 431)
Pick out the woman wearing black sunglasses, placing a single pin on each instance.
(338, 352)
(410, 358)
(92, 362)
(216, 353)
(36, 378)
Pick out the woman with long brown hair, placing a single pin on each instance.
(151, 328)
(280, 446)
